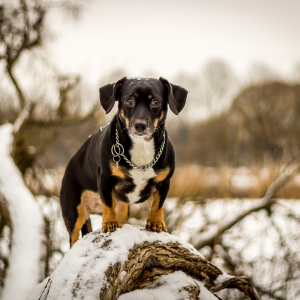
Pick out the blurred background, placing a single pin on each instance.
(239, 131)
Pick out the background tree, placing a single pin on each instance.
(36, 124)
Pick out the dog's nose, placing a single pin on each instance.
(140, 125)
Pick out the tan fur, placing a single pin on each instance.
(117, 172)
(155, 219)
(159, 119)
(162, 115)
(109, 219)
(122, 212)
(82, 217)
(150, 96)
(90, 203)
(162, 175)
(123, 116)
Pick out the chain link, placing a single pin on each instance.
(117, 150)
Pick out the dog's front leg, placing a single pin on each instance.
(109, 218)
(155, 221)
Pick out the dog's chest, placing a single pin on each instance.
(142, 153)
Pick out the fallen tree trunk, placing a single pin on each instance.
(132, 263)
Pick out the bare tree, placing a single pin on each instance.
(35, 125)
(217, 80)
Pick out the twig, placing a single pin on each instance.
(240, 282)
(24, 115)
(208, 238)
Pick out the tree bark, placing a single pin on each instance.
(149, 261)
(131, 260)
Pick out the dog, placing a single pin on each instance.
(128, 161)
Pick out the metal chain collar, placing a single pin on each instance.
(117, 151)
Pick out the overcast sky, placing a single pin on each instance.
(169, 36)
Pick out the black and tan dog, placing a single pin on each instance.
(129, 161)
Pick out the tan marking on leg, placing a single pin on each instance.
(117, 172)
(155, 221)
(122, 212)
(162, 175)
(90, 203)
(109, 219)
(82, 217)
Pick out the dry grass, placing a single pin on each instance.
(197, 181)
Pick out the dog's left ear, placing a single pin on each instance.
(110, 93)
(176, 95)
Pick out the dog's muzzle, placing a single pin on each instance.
(140, 126)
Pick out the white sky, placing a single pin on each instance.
(169, 36)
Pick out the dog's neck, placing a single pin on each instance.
(141, 150)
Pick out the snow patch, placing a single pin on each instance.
(221, 279)
(81, 273)
(23, 271)
(169, 287)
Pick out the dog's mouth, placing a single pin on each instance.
(147, 134)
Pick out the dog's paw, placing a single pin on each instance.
(110, 226)
(156, 226)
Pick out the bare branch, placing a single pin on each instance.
(242, 283)
(63, 122)
(210, 237)
(21, 95)
(23, 117)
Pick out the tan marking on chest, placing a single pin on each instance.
(117, 172)
(162, 175)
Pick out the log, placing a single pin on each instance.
(132, 263)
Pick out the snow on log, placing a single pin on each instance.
(23, 271)
(132, 263)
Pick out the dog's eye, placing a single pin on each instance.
(129, 102)
(155, 103)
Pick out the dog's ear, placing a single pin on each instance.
(176, 95)
(110, 93)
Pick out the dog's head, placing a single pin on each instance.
(143, 102)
